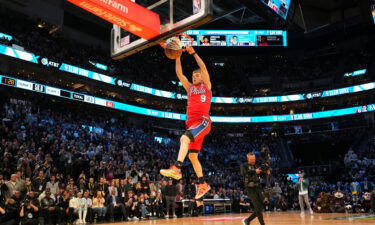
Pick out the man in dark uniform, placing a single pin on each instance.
(251, 172)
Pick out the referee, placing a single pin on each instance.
(250, 172)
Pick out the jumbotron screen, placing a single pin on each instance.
(232, 38)
(372, 6)
(281, 7)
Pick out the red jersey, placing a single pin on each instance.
(199, 102)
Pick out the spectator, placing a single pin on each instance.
(49, 211)
(134, 211)
(76, 208)
(170, 196)
(98, 205)
(29, 213)
(63, 208)
(373, 200)
(157, 205)
(303, 185)
(143, 206)
(39, 183)
(114, 203)
(12, 185)
(87, 204)
(337, 204)
(244, 205)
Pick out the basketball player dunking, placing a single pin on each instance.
(198, 123)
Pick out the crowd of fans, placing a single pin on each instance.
(63, 167)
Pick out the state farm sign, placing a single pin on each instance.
(125, 14)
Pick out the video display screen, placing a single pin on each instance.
(372, 6)
(281, 7)
(229, 38)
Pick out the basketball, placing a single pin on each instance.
(172, 53)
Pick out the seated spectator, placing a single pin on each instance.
(39, 183)
(322, 203)
(157, 205)
(3, 189)
(114, 203)
(53, 185)
(9, 213)
(87, 207)
(48, 206)
(373, 200)
(76, 208)
(13, 185)
(142, 207)
(91, 186)
(365, 203)
(98, 207)
(134, 209)
(282, 204)
(244, 205)
(196, 207)
(28, 185)
(337, 204)
(63, 208)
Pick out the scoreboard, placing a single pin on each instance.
(249, 38)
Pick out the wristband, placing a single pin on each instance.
(193, 54)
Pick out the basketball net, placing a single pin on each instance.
(175, 42)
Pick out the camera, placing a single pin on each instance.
(26, 202)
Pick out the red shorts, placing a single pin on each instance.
(196, 131)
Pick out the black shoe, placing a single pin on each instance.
(246, 221)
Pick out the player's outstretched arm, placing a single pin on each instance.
(184, 81)
(202, 66)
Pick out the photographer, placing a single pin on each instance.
(251, 172)
(29, 213)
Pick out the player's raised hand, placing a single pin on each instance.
(190, 50)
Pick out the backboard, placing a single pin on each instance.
(176, 16)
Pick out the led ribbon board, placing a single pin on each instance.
(125, 14)
(239, 38)
(6, 36)
(87, 73)
(30, 57)
(355, 73)
(15, 53)
(45, 89)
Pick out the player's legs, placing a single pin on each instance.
(193, 137)
(193, 156)
(175, 170)
(203, 187)
(184, 148)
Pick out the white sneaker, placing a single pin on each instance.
(174, 216)
(302, 214)
(311, 211)
(166, 216)
(84, 221)
(135, 218)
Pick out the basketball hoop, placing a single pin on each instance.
(179, 42)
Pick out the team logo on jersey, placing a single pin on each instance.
(197, 91)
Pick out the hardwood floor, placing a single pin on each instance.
(278, 218)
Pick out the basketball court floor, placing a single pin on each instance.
(282, 218)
